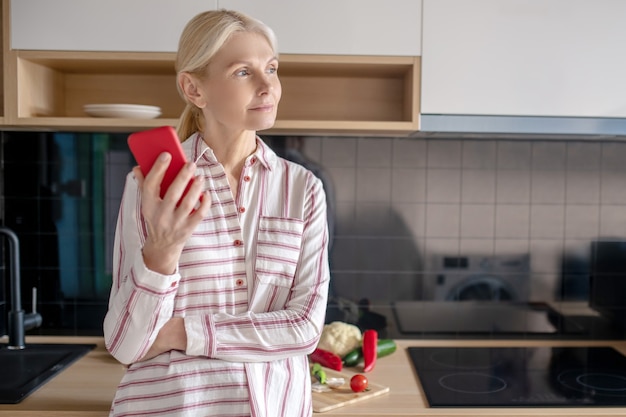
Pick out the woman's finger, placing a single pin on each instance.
(183, 181)
(191, 199)
(152, 181)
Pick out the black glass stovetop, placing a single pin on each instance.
(521, 377)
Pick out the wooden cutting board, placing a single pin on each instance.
(342, 396)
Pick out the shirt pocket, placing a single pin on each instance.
(278, 250)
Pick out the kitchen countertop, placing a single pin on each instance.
(87, 387)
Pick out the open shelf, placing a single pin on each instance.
(351, 94)
(53, 87)
(321, 94)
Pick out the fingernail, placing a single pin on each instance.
(164, 156)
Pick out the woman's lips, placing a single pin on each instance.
(263, 108)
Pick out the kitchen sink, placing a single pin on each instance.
(25, 370)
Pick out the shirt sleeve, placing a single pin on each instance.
(141, 300)
(293, 330)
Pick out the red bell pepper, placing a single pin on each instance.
(370, 349)
(327, 359)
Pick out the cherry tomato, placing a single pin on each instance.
(358, 383)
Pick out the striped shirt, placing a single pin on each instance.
(251, 284)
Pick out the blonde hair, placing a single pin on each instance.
(203, 36)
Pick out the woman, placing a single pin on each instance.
(216, 301)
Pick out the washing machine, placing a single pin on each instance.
(478, 277)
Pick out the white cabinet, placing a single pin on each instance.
(102, 25)
(559, 58)
(330, 27)
(340, 27)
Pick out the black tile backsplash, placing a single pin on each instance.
(57, 200)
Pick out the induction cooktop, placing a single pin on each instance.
(521, 376)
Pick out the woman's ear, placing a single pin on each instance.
(188, 85)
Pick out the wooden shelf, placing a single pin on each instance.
(350, 94)
(321, 94)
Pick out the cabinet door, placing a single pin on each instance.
(340, 27)
(108, 25)
(525, 58)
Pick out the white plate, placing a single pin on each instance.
(128, 111)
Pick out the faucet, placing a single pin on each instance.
(19, 321)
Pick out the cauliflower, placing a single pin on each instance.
(340, 338)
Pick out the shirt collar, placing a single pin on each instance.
(195, 148)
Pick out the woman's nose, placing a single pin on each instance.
(266, 84)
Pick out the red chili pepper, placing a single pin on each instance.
(325, 358)
(370, 349)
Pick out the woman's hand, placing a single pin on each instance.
(172, 336)
(170, 221)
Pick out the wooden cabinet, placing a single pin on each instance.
(322, 94)
(340, 27)
(349, 95)
(523, 58)
(52, 87)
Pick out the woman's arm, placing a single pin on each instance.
(150, 234)
(141, 300)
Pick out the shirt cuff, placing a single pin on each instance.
(199, 331)
(153, 281)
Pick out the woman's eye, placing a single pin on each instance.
(242, 72)
(272, 70)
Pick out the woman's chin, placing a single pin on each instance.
(265, 124)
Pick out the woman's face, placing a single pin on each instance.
(242, 89)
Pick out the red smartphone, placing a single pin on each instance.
(147, 145)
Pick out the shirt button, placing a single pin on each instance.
(238, 242)
(253, 160)
(242, 209)
(246, 178)
(239, 282)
